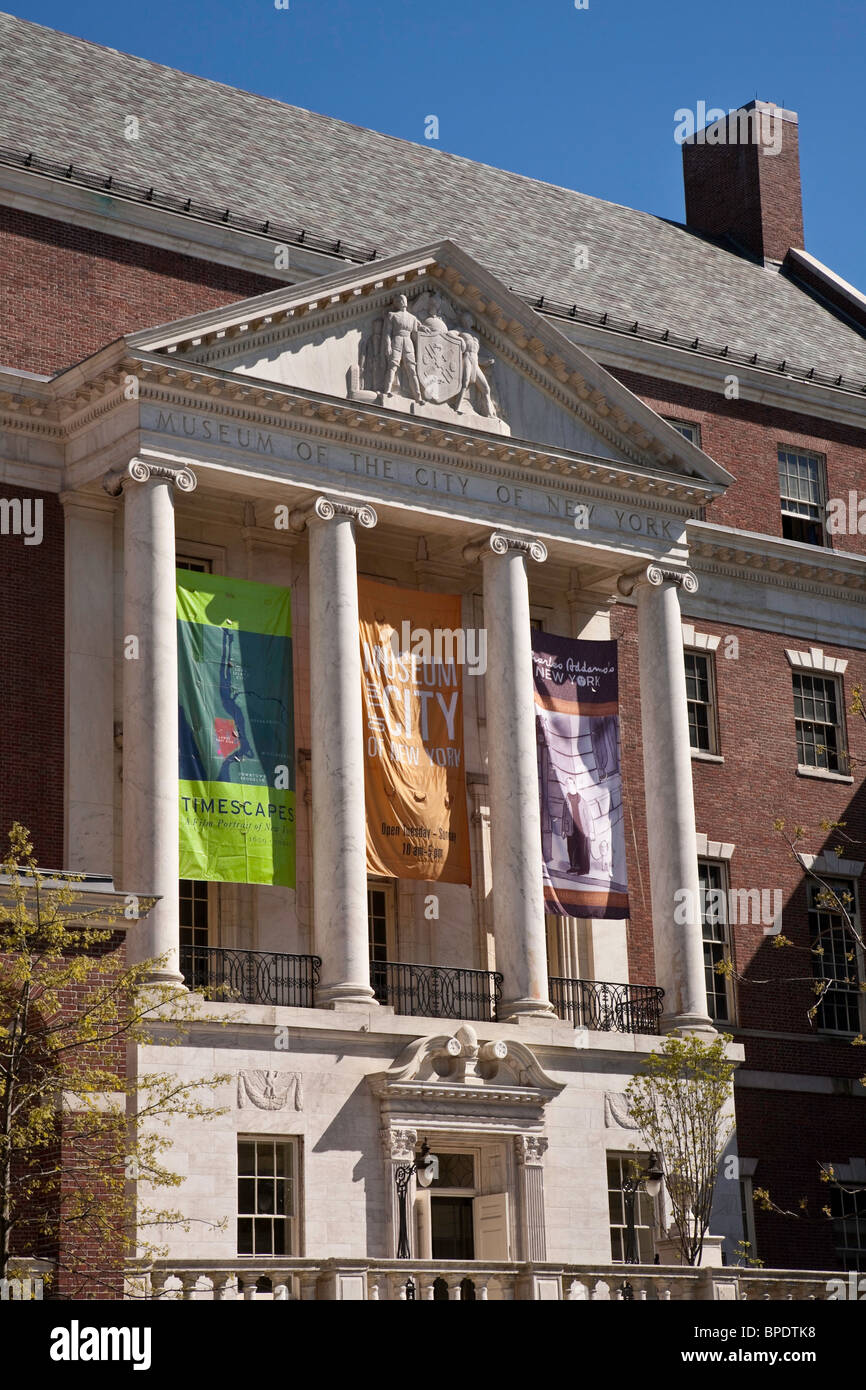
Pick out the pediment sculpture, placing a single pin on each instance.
(427, 358)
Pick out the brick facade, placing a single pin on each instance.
(31, 679)
(67, 291)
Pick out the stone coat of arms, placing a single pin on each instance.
(413, 358)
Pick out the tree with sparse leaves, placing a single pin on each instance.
(80, 1140)
(681, 1101)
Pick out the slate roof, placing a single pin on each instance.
(66, 99)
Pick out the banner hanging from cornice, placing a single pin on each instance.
(236, 756)
(414, 773)
(579, 776)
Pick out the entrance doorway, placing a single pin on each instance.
(452, 1233)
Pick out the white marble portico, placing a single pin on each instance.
(277, 412)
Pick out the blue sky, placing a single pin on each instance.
(584, 98)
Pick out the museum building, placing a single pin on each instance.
(258, 345)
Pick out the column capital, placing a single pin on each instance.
(530, 1149)
(137, 471)
(399, 1144)
(327, 509)
(500, 542)
(655, 576)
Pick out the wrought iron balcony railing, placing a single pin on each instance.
(437, 991)
(253, 977)
(608, 1008)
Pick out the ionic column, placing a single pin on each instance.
(90, 656)
(339, 812)
(670, 807)
(530, 1150)
(512, 760)
(151, 819)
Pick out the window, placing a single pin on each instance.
(801, 489)
(848, 1208)
(701, 697)
(712, 879)
(840, 960)
(688, 430)
(194, 931)
(267, 1196)
(820, 733)
(380, 919)
(619, 1166)
(452, 1222)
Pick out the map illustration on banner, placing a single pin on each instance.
(579, 776)
(236, 753)
(414, 773)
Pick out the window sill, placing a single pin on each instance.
(824, 774)
(702, 757)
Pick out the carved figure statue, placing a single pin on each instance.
(400, 325)
(472, 374)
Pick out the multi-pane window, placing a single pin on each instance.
(714, 922)
(190, 562)
(836, 957)
(848, 1208)
(194, 931)
(378, 920)
(700, 695)
(688, 430)
(801, 489)
(267, 1197)
(817, 713)
(619, 1167)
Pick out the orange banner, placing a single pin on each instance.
(415, 780)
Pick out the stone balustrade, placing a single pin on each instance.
(286, 1280)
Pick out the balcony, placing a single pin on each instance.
(421, 991)
(434, 991)
(251, 977)
(608, 1008)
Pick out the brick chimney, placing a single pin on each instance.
(742, 179)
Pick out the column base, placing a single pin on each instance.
(346, 996)
(689, 1023)
(513, 1010)
(169, 978)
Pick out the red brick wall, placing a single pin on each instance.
(31, 681)
(744, 437)
(790, 1133)
(66, 291)
(737, 801)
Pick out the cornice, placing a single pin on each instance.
(722, 550)
(357, 425)
(692, 367)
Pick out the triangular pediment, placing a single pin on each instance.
(434, 337)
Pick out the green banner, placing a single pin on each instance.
(236, 753)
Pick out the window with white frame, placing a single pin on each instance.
(688, 429)
(836, 955)
(802, 494)
(713, 883)
(619, 1167)
(819, 722)
(848, 1210)
(267, 1196)
(701, 698)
